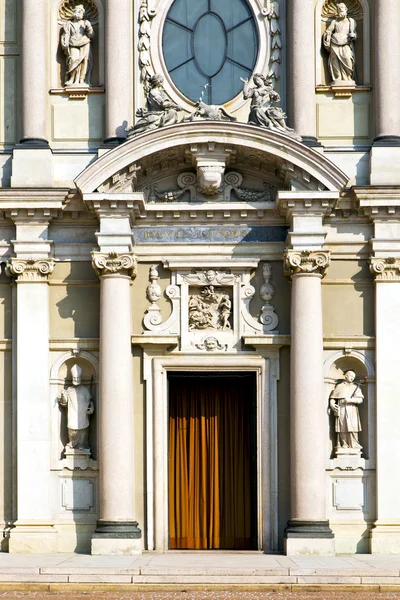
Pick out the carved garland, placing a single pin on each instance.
(146, 15)
(114, 263)
(305, 261)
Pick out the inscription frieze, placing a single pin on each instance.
(209, 235)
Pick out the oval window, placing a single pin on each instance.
(208, 46)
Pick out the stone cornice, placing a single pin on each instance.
(114, 264)
(115, 205)
(385, 269)
(306, 262)
(307, 203)
(378, 202)
(30, 270)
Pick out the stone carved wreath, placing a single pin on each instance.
(354, 7)
(67, 8)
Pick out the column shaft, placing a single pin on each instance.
(301, 69)
(307, 408)
(117, 532)
(118, 69)
(34, 531)
(33, 68)
(387, 58)
(116, 393)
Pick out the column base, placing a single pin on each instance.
(308, 537)
(117, 538)
(33, 537)
(385, 539)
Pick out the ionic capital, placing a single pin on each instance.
(385, 269)
(114, 264)
(30, 270)
(306, 262)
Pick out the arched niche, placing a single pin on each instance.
(61, 378)
(335, 368)
(61, 11)
(358, 10)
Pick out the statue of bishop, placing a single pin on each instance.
(78, 401)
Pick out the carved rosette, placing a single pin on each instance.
(385, 269)
(114, 264)
(30, 270)
(305, 262)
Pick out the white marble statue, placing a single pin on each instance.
(75, 41)
(78, 401)
(339, 40)
(344, 401)
(262, 113)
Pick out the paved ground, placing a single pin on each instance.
(199, 595)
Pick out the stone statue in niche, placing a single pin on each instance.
(77, 399)
(209, 310)
(160, 110)
(339, 41)
(344, 401)
(75, 42)
(262, 113)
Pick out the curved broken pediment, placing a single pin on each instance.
(193, 161)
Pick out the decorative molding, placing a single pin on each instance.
(146, 15)
(30, 270)
(306, 262)
(385, 269)
(114, 264)
(268, 318)
(153, 293)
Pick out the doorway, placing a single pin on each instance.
(212, 461)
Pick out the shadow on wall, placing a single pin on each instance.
(81, 301)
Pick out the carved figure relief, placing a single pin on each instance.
(207, 112)
(209, 309)
(76, 37)
(211, 344)
(338, 41)
(262, 113)
(77, 399)
(344, 401)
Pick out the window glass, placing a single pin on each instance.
(208, 46)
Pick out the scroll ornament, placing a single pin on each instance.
(306, 261)
(114, 263)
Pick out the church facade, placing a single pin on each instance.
(200, 280)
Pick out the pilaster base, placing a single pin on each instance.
(385, 161)
(117, 538)
(385, 539)
(308, 537)
(32, 167)
(33, 537)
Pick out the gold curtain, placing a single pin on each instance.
(210, 487)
